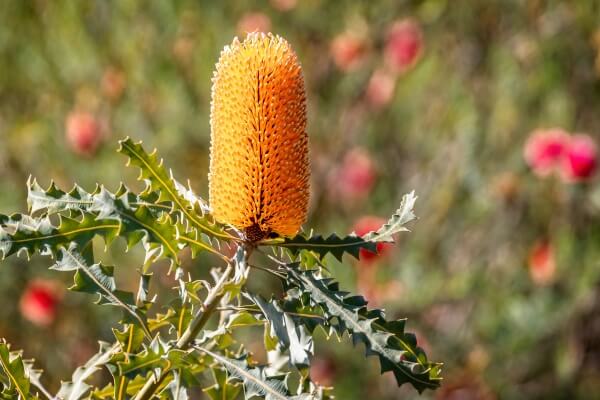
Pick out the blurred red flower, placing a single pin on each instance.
(542, 264)
(83, 133)
(355, 177)
(380, 89)
(348, 51)
(254, 22)
(404, 44)
(39, 302)
(545, 149)
(580, 159)
(365, 225)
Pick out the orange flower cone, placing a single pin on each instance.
(259, 167)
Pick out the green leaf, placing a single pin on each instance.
(130, 338)
(157, 233)
(395, 224)
(197, 241)
(177, 317)
(175, 390)
(333, 244)
(147, 360)
(255, 379)
(285, 331)
(98, 279)
(190, 207)
(242, 319)
(158, 354)
(351, 244)
(55, 200)
(17, 384)
(22, 233)
(78, 386)
(108, 392)
(223, 390)
(397, 351)
(141, 218)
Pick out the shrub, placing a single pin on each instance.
(261, 201)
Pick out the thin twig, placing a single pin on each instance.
(271, 271)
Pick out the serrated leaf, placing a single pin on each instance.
(397, 351)
(223, 390)
(175, 390)
(54, 200)
(255, 379)
(97, 279)
(177, 316)
(141, 363)
(157, 354)
(395, 224)
(189, 376)
(132, 387)
(130, 338)
(242, 319)
(352, 244)
(142, 216)
(284, 330)
(18, 383)
(78, 386)
(321, 245)
(137, 221)
(157, 233)
(22, 233)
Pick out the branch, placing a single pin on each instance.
(208, 307)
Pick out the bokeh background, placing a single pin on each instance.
(489, 110)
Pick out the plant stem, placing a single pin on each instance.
(208, 307)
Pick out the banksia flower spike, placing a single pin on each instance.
(259, 167)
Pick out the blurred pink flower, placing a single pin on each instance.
(39, 302)
(284, 5)
(254, 22)
(404, 44)
(365, 225)
(323, 370)
(355, 177)
(542, 264)
(348, 51)
(580, 159)
(380, 89)
(545, 149)
(83, 133)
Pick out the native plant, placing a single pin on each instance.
(259, 187)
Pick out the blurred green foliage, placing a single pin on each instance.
(490, 73)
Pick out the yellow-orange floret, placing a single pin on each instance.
(259, 167)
